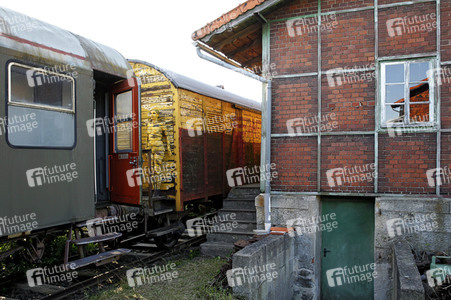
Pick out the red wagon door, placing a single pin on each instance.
(125, 170)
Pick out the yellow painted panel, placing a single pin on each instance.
(207, 112)
(158, 133)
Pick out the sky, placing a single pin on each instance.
(158, 32)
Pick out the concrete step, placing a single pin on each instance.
(243, 225)
(246, 192)
(239, 214)
(216, 249)
(244, 197)
(229, 237)
(239, 203)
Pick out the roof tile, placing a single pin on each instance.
(226, 18)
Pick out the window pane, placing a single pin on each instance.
(124, 136)
(39, 87)
(20, 90)
(418, 71)
(124, 107)
(32, 127)
(419, 113)
(394, 73)
(36, 123)
(394, 93)
(124, 128)
(419, 92)
(394, 113)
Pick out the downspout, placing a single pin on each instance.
(267, 120)
(265, 165)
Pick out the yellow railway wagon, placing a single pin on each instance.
(192, 134)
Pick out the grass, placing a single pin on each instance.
(194, 274)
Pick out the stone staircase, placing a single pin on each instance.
(237, 220)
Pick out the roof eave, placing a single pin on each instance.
(235, 23)
(239, 39)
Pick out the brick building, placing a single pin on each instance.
(358, 97)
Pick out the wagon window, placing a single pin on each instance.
(41, 108)
(407, 93)
(124, 122)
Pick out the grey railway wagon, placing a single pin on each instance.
(51, 78)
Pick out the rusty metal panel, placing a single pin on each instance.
(215, 167)
(193, 176)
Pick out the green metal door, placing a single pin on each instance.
(347, 256)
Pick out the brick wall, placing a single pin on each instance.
(410, 41)
(404, 161)
(350, 43)
(352, 102)
(333, 5)
(445, 10)
(353, 157)
(348, 101)
(291, 51)
(294, 9)
(294, 98)
(296, 164)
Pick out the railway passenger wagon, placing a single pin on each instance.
(79, 147)
(209, 131)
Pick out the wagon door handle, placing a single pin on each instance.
(133, 161)
(326, 251)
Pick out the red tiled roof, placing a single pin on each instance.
(226, 18)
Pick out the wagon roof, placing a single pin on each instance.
(31, 36)
(181, 81)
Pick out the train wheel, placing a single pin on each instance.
(167, 241)
(34, 248)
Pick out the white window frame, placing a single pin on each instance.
(432, 92)
(41, 106)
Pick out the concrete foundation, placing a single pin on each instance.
(267, 268)
(407, 283)
(433, 233)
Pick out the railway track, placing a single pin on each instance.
(119, 271)
(142, 255)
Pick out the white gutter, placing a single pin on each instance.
(265, 164)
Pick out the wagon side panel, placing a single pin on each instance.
(45, 185)
(217, 124)
(192, 146)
